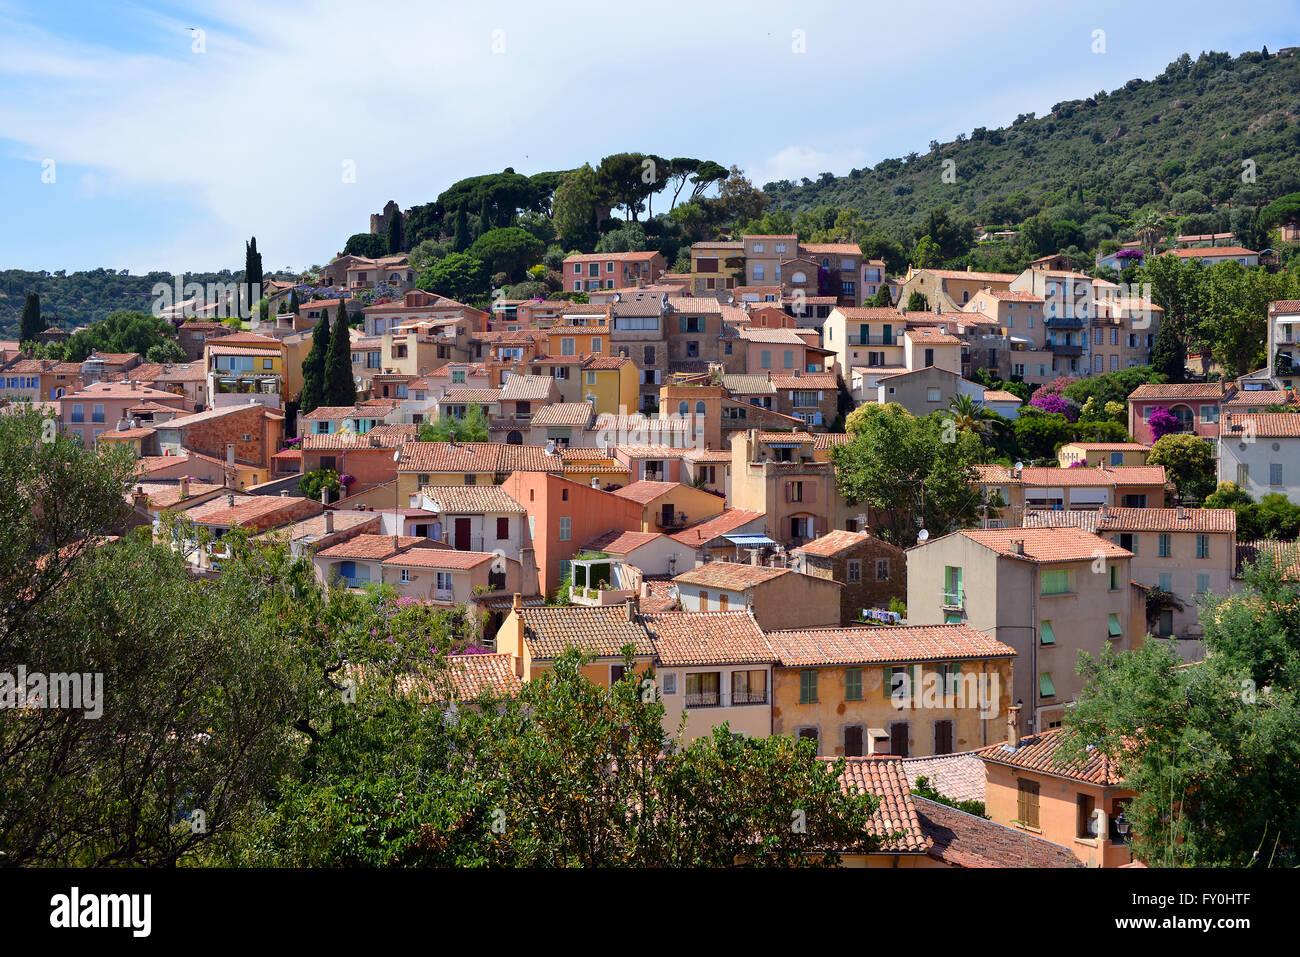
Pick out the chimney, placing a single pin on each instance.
(517, 603)
(632, 606)
(184, 488)
(1181, 513)
(1101, 512)
(1017, 546)
(1013, 727)
(284, 493)
(329, 522)
(135, 386)
(230, 500)
(230, 455)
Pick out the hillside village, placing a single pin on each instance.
(994, 516)
(656, 468)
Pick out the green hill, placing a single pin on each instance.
(1177, 143)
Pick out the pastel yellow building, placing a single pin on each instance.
(611, 382)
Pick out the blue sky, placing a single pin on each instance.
(168, 157)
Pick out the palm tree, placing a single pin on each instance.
(969, 416)
(1150, 226)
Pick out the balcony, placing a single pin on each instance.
(442, 594)
(869, 340)
(720, 699)
(675, 521)
(954, 600)
(1064, 322)
(704, 699)
(1063, 349)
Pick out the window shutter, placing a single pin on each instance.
(789, 486)
(810, 493)
(887, 686)
(682, 319)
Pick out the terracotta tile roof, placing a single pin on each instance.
(1082, 477)
(831, 249)
(1277, 552)
(708, 455)
(749, 384)
(168, 494)
(705, 532)
(929, 335)
(250, 339)
(806, 380)
(1109, 446)
(1167, 520)
(1084, 518)
(1042, 752)
(1183, 390)
(372, 547)
(958, 776)
(123, 390)
(1202, 251)
(694, 304)
(644, 492)
(605, 362)
(472, 674)
(824, 440)
(247, 508)
(564, 414)
(644, 256)
(1013, 295)
(601, 631)
(471, 499)
(351, 442)
(157, 372)
(1267, 425)
(449, 558)
(991, 277)
(469, 368)
(786, 337)
(637, 307)
(1285, 306)
(686, 638)
(884, 777)
(326, 413)
(223, 350)
(1259, 398)
(833, 542)
(477, 457)
(659, 595)
(1045, 544)
(732, 576)
(883, 644)
(801, 438)
(964, 840)
(314, 527)
(616, 542)
(527, 388)
(479, 396)
(651, 451)
(998, 395)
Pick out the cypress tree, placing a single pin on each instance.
(483, 224)
(313, 367)
(294, 305)
(339, 387)
(252, 271)
(284, 307)
(30, 326)
(461, 241)
(395, 233)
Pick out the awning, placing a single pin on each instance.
(749, 541)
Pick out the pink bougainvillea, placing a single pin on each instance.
(1162, 423)
(1052, 402)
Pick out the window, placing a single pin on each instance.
(1202, 584)
(1166, 582)
(1275, 473)
(503, 527)
(704, 600)
(853, 741)
(854, 571)
(1114, 577)
(443, 581)
(591, 378)
(1202, 546)
(1163, 545)
(1114, 629)
(933, 394)
(1027, 802)
(1209, 413)
(566, 528)
(808, 686)
(748, 687)
(882, 569)
(1046, 687)
(471, 479)
(703, 689)
(852, 684)
(406, 576)
(1055, 581)
(568, 346)
(758, 271)
(1243, 470)
(765, 359)
(1086, 825)
(943, 736)
(1046, 634)
(669, 682)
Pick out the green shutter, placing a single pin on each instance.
(1045, 686)
(853, 684)
(682, 319)
(887, 685)
(1115, 629)
(1046, 633)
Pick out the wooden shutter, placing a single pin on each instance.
(943, 737)
(853, 741)
(810, 493)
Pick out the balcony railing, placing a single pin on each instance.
(1064, 349)
(749, 697)
(675, 520)
(953, 599)
(704, 699)
(719, 699)
(442, 594)
(869, 340)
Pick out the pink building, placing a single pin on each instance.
(1196, 405)
(98, 408)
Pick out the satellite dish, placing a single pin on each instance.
(922, 535)
(1020, 465)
